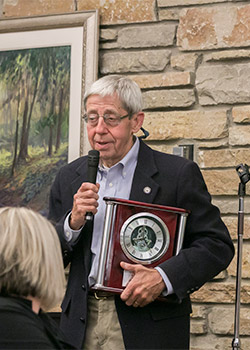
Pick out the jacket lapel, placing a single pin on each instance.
(81, 175)
(144, 188)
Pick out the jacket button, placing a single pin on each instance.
(82, 319)
(65, 253)
(83, 287)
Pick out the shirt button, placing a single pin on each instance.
(110, 184)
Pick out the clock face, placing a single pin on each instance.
(144, 238)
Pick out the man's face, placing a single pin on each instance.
(113, 143)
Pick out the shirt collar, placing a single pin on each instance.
(126, 162)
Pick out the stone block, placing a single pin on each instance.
(226, 55)
(215, 292)
(147, 36)
(245, 264)
(221, 321)
(241, 114)
(171, 3)
(168, 14)
(199, 312)
(186, 124)
(108, 45)
(204, 28)
(198, 327)
(222, 293)
(231, 205)
(169, 79)
(24, 8)
(168, 98)
(116, 11)
(211, 342)
(239, 135)
(108, 34)
(161, 147)
(220, 158)
(185, 61)
(222, 84)
(213, 144)
(134, 61)
(232, 225)
(221, 182)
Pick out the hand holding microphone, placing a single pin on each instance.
(87, 194)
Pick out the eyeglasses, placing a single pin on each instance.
(110, 119)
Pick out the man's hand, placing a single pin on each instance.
(144, 287)
(85, 200)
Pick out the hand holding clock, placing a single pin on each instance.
(144, 287)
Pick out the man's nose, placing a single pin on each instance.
(101, 125)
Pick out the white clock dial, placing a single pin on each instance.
(144, 238)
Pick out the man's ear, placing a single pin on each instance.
(137, 121)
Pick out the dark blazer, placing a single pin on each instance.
(21, 328)
(207, 249)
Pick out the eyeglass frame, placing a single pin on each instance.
(105, 116)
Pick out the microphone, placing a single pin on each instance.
(93, 162)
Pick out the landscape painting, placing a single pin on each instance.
(46, 64)
(34, 122)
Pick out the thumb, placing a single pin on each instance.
(126, 266)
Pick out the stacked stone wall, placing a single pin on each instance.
(192, 61)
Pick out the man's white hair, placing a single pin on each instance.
(126, 89)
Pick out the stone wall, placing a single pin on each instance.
(192, 60)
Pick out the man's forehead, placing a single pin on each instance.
(104, 101)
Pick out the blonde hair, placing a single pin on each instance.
(30, 257)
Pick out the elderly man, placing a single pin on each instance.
(129, 169)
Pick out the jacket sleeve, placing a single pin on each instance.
(207, 247)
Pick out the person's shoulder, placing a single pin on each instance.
(20, 327)
(74, 165)
(76, 162)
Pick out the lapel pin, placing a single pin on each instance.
(147, 190)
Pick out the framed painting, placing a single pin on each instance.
(46, 64)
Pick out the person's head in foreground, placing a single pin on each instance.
(30, 258)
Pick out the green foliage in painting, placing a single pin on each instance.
(34, 115)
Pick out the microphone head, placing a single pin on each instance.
(93, 158)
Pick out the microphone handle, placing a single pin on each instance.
(89, 216)
(93, 162)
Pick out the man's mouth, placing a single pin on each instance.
(101, 144)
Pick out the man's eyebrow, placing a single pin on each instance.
(92, 110)
(110, 111)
